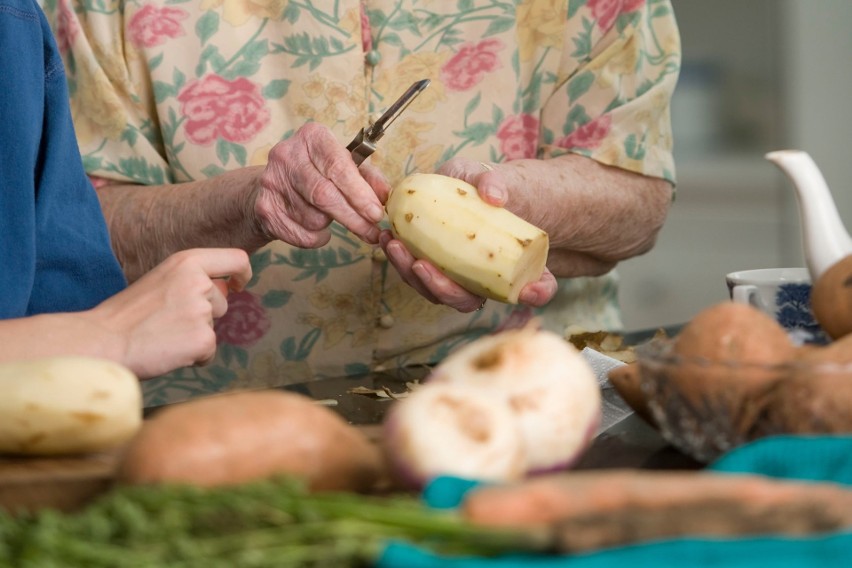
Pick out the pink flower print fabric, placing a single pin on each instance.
(174, 92)
(152, 26)
(606, 11)
(469, 66)
(245, 323)
(590, 135)
(518, 136)
(217, 108)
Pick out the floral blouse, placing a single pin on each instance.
(166, 91)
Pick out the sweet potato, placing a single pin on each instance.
(831, 298)
(627, 381)
(591, 510)
(240, 436)
(729, 355)
(816, 398)
(820, 403)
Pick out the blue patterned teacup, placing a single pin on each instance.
(784, 294)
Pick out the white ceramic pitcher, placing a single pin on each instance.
(824, 237)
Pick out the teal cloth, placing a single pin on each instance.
(812, 458)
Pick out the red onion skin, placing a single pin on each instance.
(403, 475)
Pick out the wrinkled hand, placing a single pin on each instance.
(166, 317)
(430, 282)
(310, 180)
(595, 215)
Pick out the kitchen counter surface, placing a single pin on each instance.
(632, 442)
(68, 483)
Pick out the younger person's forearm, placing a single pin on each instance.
(53, 335)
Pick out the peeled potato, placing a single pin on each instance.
(487, 250)
(67, 405)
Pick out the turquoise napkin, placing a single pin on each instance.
(816, 458)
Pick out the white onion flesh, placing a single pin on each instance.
(508, 405)
(444, 429)
(547, 383)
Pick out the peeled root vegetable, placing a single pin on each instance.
(241, 436)
(549, 386)
(527, 394)
(486, 249)
(67, 405)
(444, 429)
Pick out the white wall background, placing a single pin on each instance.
(758, 76)
(818, 85)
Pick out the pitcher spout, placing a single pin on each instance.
(824, 237)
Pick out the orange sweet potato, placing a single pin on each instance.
(627, 381)
(240, 436)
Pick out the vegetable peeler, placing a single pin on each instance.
(364, 143)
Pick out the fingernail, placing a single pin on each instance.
(495, 195)
(372, 235)
(421, 272)
(527, 297)
(222, 285)
(385, 237)
(376, 212)
(393, 250)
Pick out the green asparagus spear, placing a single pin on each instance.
(275, 523)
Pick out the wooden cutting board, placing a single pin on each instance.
(70, 483)
(67, 483)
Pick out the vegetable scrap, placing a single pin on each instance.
(605, 342)
(385, 393)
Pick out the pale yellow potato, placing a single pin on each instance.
(67, 405)
(488, 250)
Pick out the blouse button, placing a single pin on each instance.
(379, 255)
(373, 57)
(386, 321)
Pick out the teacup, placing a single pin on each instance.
(782, 293)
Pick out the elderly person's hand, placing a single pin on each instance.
(595, 216)
(431, 283)
(311, 180)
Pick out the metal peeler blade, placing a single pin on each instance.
(364, 142)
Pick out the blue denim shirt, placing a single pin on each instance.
(55, 253)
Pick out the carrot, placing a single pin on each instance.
(591, 510)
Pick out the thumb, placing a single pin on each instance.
(485, 176)
(222, 285)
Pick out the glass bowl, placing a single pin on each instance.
(705, 408)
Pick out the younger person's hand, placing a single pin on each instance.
(166, 317)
